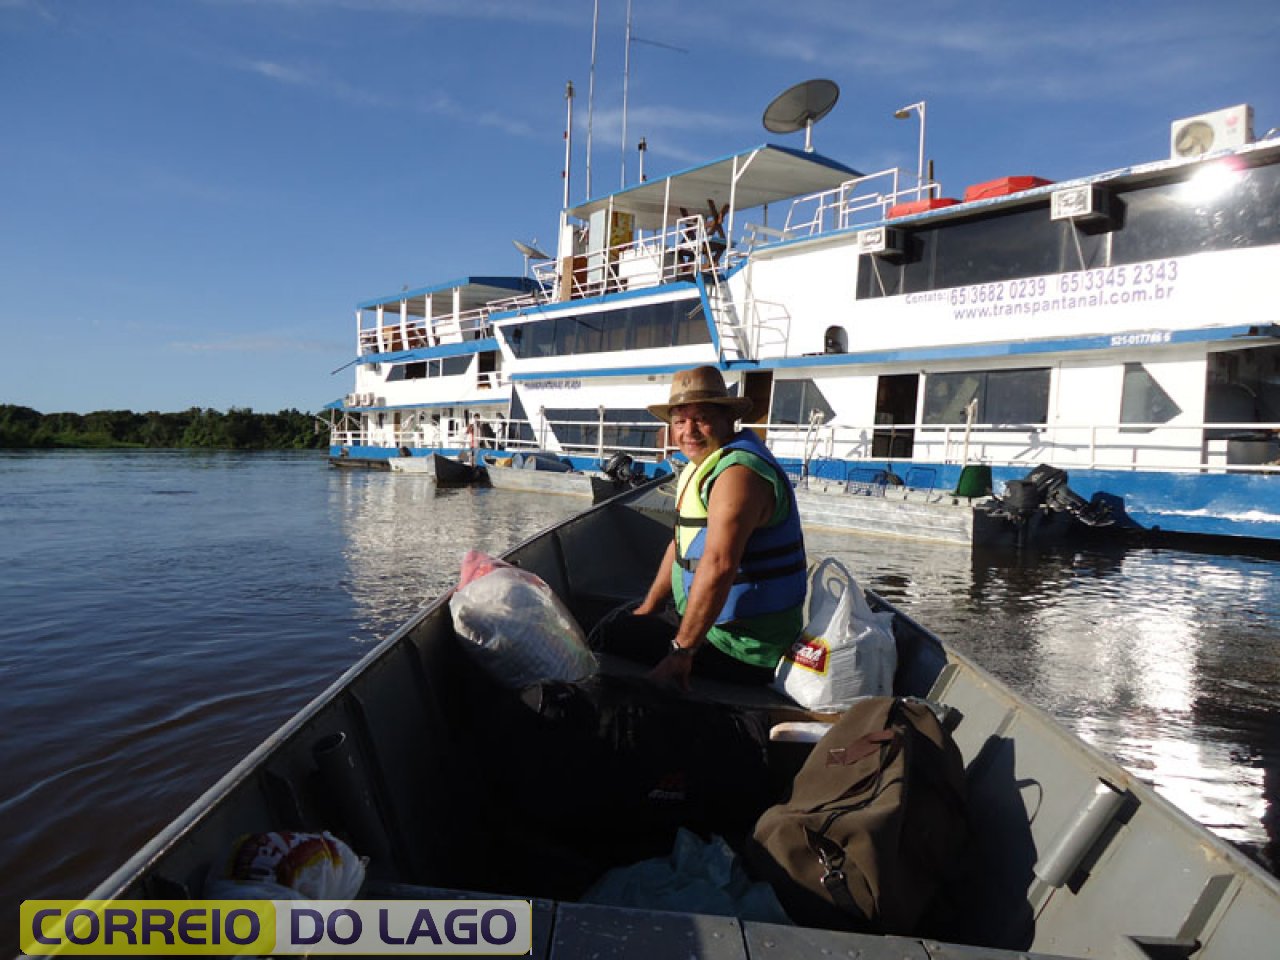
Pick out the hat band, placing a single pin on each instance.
(698, 396)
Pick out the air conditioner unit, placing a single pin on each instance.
(1220, 130)
(1085, 203)
(881, 241)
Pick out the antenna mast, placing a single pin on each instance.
(626, 78)
(568, 138)
(591, 91)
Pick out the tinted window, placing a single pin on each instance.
(1217, 209)
(1005, 397)
(1143, 400)
(794, 399)
(628, 328)
(581, 427)
(451, 366)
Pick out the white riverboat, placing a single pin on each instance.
(1113, 326)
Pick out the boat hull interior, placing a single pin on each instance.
(1069, 854)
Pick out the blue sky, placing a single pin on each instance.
(194, 194)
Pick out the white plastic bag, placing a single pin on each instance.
(517, 628)
(846, 650)
(282, 865)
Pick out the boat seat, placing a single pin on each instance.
(777, 705)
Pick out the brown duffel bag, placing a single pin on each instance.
(875, 822)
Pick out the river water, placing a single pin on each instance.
(165, 611)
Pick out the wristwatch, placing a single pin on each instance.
(679, 651)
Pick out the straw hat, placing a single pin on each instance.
(701, 385)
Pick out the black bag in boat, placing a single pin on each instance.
(612, 766)
(875, 823)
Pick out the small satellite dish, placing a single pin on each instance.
(800, 107)
(530, 251)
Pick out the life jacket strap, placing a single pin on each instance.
(773, 573)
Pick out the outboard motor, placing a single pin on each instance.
(1047, 486)
(623, 470)
(1021, 498)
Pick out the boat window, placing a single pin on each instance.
(407, 371)
(1025, 243)
(1006, 398)
(623, 428)
(453, 366)
(1216, 208)
(691, 326)
(420, 370)
(1143, 400)
(1243, 386)
(518, 429)
(794, 399)
(651, 326)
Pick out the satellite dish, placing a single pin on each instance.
(800, 107)
(530, 251)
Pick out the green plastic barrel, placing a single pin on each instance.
(975, 481)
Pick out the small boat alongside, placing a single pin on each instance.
(445, 471)
(1069, 854)
(1038, 511)
(543, 472)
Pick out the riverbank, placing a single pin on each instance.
(22, 428)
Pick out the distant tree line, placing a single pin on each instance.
(237, 429)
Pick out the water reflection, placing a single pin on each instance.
(404, 538)
(1166, 660)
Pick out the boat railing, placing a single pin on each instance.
(765, 324)
(648, 259)
(1189, 447)
(1193, 447)
(396, 332)
(861, 201)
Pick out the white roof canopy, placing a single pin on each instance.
(752, 178)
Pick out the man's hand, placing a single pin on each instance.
(674, 670)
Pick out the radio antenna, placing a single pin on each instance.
(591, 90)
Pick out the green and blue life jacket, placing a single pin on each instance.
(771, 575)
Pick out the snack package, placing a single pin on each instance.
(282, 865)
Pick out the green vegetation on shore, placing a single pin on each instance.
(237, 429)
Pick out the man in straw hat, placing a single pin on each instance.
(735, 569)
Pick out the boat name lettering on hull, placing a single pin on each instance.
(553, 384)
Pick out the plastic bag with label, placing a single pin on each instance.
(282, 865)
(846, 651)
